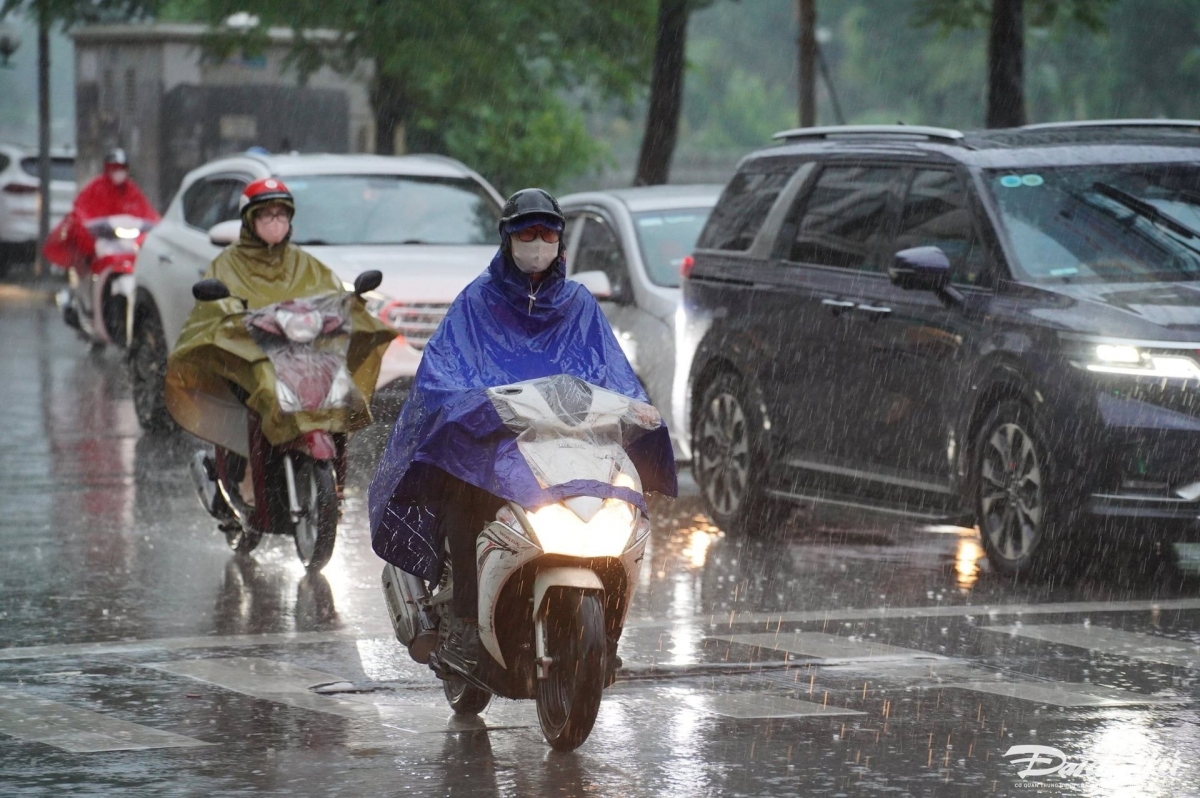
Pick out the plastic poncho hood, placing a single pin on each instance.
(215, 349)
(502, 329)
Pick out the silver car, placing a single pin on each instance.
(427, 222)
(627, 246)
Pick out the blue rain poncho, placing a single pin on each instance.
(496, 334)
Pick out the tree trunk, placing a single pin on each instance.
(43, 89)
(806, 14)
(387, 99)
(666, 95)
(1006, 64)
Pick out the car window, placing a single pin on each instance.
(391, 209)
(60, 168)
(4, 162)
(845, 218)
(666, 238)
(209, 202)
(600, 250)
(936, 213)
(571, 229)
(743, 207)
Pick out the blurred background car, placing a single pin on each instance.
(427, 222)
(627, 246)
(19, 200)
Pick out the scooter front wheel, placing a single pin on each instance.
(316, 530)
(568, 700)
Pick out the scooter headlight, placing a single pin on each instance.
(560, 530)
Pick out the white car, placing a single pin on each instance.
(427, 222)
(19, 200)
(627, 245)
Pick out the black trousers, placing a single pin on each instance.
(463, 513)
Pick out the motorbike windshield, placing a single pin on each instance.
(568, 431)
(308, 341)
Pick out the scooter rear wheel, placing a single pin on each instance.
(316, 532)
(568, 700)
(465, 698)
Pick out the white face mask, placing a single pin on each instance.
(533, 257)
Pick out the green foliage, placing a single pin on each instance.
(974, 14)
(971, 15)
(481, 81)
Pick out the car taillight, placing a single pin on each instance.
(685, 268)
(20, 188)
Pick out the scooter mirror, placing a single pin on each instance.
(210, 290)
(367, 281)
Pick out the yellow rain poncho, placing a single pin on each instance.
(215, 349)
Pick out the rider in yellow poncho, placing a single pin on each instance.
(216, 355)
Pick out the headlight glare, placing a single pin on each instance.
(1132, 361)
(560, 531)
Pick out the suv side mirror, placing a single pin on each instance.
(225, 233)
(596, 282)
(367, 281)
(210, 290)
(920, 268)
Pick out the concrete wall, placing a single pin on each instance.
(124, 72)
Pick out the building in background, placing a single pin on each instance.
(152, 90)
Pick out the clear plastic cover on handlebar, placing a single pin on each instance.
(307, 341)
(569, 430)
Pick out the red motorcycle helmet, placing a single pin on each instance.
(262, 191)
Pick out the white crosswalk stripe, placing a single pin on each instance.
(1131, 645)
(916, 667)
(36, 719)
(280, 682)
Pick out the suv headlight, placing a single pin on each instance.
(560, 531)
(1136, 361)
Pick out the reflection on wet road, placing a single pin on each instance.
(826, 656)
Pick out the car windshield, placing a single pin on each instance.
(1110, 224)
(665, 238)
(392, 209)
(60, 168)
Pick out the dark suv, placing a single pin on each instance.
(998, 328)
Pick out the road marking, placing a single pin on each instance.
(280, 682)
(912, 666)
(952, 611)
(827, 647)
(1062, 694)
(169, 644)
(81, 731)
(748, 706)
(1144, 647)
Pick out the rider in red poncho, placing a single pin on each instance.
(109, 194)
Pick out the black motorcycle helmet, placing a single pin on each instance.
(525, 205)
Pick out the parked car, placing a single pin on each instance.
(19, 200)
(427, 222)
(998, 328)
(628, 245)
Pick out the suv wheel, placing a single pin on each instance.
(147, 371)
(1013, 496)
(726, 456)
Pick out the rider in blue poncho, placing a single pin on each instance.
(450, 463)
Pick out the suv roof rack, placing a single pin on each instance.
(1115, 123)
(943, 134)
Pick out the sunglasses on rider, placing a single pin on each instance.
(273, 215)
(531, 233)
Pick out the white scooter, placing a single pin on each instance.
(555, 582)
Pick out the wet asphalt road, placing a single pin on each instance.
(139, 656)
